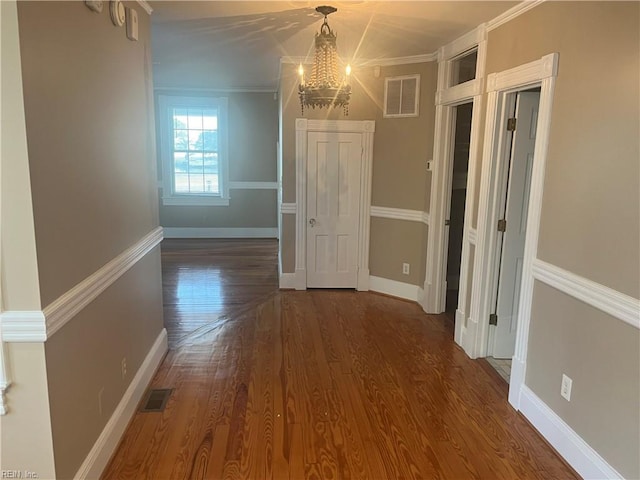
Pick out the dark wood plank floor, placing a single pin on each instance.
(330, 384)
(207, 281)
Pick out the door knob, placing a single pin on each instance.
(312, 222)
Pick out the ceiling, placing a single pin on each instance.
(238, 44)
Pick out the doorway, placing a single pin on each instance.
(514, 186)
(333, 203)
(454, 225)
(333, 208)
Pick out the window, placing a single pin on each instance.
(401, 96)
(463, 67)
(193, 148)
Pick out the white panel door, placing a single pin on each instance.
(519, 183)
(334, 161)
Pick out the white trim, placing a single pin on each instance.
(459, 93)
(195, 200)
(394, 288)
(97, 459)
(303, 127)
(463, 43)
(214, 91)
(220, 232)
(512, 13)
(23, 326)
(608, 300)
(64, 308)
(145, 6)
(287, 281)
(287, 208)
(400, 214)
(578, 453)
(524, 75)
(472, 236)
(388, 62)
(253, 185)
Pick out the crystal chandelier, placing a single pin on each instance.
(325, 88)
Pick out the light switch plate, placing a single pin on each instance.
(132, 24)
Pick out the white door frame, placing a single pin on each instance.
(500, 85)
(366, 128)
(447, 98)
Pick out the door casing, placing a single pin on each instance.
(367, 129)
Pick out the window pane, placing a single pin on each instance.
(210, 163)
(211, 184)
(195, 163)
(181, 183)
(210, 140)
(180, 139)
(180, 118)
(196, 183)
(180, 162)
(464, 68)
(195, 118)
(195, 140)
(210, 119)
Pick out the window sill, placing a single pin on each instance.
(195, 201)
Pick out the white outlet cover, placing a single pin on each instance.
(565, 388)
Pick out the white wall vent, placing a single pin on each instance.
(401, 96)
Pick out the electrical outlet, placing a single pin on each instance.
(565, 389)
(100, 393)
(124, 367)
(405, 269)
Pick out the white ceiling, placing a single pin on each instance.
(238, 44)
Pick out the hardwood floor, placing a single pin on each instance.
(328, 384)
(207, 281)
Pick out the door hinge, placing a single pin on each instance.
(502, 225)
(511, 125)
(493, 319)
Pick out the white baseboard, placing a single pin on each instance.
(394, 288)
(288, 281)
(582, 457)
(100, 454)
(214, 232)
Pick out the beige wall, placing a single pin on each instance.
(89, 116)
(400, 180)
(20, 289)
(590, 214)
(601, 355)
(121, 323)
(90, 145)
(253, 135)
(591, 207)
(25, 432)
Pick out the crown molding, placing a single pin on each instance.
(512, 13)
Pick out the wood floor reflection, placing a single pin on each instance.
(206, 281)
(329, 384)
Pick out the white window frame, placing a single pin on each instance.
(416, 111)
(169, 197)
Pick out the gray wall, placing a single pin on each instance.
(400, 180)
(89, 117)
(253, 136)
